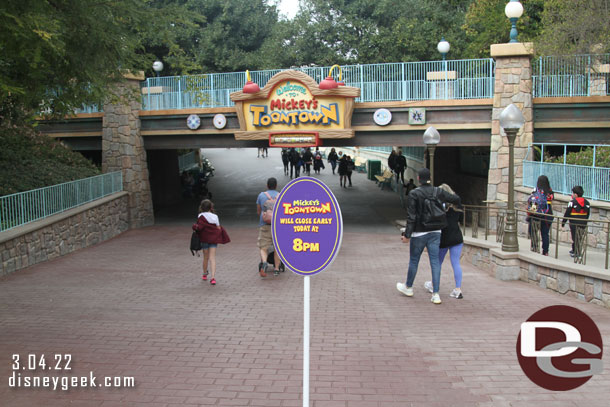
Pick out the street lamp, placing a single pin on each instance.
(431, 139)
(513, 11)
(157, 67)
(443, 47)
(511, 120)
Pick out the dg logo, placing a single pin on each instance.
(560, 348)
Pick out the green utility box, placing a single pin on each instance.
(374, 168)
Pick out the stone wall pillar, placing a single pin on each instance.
(123, 150)
(513, 84)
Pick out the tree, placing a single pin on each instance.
(575, 27)
(233, 34)
(486, 24)
(56, 55)
(373, 31)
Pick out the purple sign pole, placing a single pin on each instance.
(307, 229)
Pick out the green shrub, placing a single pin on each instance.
(29, 160)
(583, 157)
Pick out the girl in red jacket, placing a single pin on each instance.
(210, 235)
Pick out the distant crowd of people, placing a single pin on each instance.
(300, 161)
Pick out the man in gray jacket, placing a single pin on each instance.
(421, 235)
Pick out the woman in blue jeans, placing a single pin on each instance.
(543, 185)
(452, 241)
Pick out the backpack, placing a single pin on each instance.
(195, 244)
(433, 216)
(537, 202)
(268, 208)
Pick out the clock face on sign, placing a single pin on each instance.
(220, 121)
(382, 117)
(193, 122)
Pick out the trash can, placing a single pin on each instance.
(374, 168)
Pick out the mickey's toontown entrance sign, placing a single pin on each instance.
(292, 111)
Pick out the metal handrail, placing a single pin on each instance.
(522, 215)
(29, 206)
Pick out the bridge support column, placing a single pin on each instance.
(123, 150)
(513, 85)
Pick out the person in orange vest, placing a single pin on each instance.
(577, 212)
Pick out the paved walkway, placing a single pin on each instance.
(135, 306)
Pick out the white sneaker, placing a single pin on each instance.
(408, 291)
(456, 294)
(428, 286)
(436, 298)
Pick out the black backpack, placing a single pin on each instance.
(433, 212)
(195, 244)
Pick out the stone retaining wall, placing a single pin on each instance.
(64, 233)
(576, 281)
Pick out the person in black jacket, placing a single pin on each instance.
(285, 160)
(308, 160)
(392, 160)
(294, 157)
(577, 212)
(400, 165)
(332, 159)
(452, 241)
(421, 236)
(343, 171)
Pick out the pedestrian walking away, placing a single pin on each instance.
(400, 165)
(426, 218)
(343, 170)
(318, 163)
(540, 209)
(332, 159)
(211, 234)
(308, 160)
(577, 212)
(264, 207)
(452, 241)
(285, 160)
(295, 166)
(392, 161)
(349, 169)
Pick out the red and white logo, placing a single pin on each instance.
(560, 348)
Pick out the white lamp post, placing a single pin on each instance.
(511, 120)
(157, 67)
(443, 47)
(431, 139)
(513, 11)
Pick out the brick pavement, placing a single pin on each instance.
(136, 306)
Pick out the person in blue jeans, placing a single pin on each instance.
(420, 236)
(452, 241)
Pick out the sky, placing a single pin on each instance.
(288, 7)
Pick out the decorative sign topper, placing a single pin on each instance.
(292, 102)
(307, 226)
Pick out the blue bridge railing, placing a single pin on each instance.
(454, 79)
(579, 75)
(29, 206)
(562, 176)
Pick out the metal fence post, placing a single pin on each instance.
(179, 92)
(593, 183)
